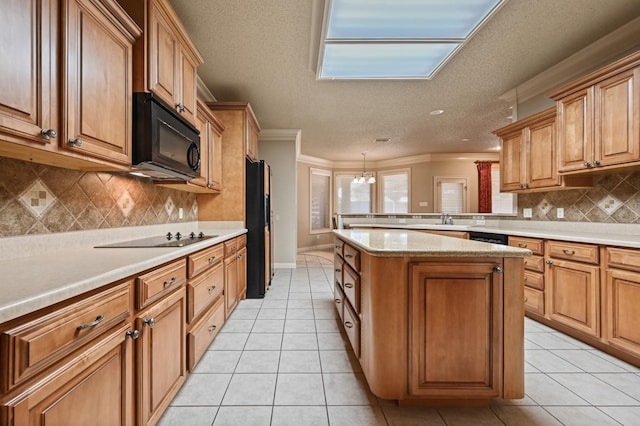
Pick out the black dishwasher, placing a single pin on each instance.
(489, 237)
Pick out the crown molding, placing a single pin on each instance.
(203, 91)
(404, 161)
(279, 135)
(610, 47)
(315, 161)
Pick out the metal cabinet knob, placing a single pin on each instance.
(212, 329)
(75, 142)
(498, 269)
(348, 324)
(149, 322)
(596, 162)
(48, 133)
(132, 334)
(587, 164)
(213, 287)
(549, 262)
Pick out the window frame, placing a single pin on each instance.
(437, 192)
(350, 175)
(379, 189)
(328, 174)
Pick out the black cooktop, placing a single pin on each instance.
(168, 240)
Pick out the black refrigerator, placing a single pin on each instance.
(259, 240)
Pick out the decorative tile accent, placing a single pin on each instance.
(544, 207)
(609, 204)
(37, 198)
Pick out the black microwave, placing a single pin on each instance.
(165, 146)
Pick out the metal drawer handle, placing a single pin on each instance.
(348, 256)
(149, 322)
(526, 299)
(338, 301)
(523, 245)
(525, 278)
(213, 287)
(348, 285)
(348, 324)
(568, 252)
(211, 259)
(338, 247)
(170, 282)
(212, 329)
(98, 320)
(337, 269)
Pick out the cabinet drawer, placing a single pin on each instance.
(352, 257)
(534, 263)
(338, 247)
(534, 280)
(338, 268)
(155, 284)
(203, 290)
(573, 251)
(203, 332)
(200, 261)
(242, 241)
(230, 247)
(338, 299)
(535, 245)
(534, 301)
(623, 258)
(37, 344)
(352, 327)
(351, 287)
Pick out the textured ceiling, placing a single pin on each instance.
(259, 51)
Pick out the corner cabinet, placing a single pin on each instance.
(599, 119)
(166, 60)
(528, 156)
(68, 106)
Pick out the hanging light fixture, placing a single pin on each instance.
(364, 177)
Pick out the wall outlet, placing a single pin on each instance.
(560, 213)
(480, 222)
(424, 204)
(180, 213)
(527, 213)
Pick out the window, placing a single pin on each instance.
(352, 197)
(394, 190)
(501, 202)
(320, 200)
(450, 195)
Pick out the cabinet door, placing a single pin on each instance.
(455, 329)
(575, 140)
(242, 273)
(541, 158)
(215, 155)
(572, 295)
(252, 139)
(617, 116)
(623, 310)
(94, 387)
(202, 124)
(28, 70)
(187, 97)
(162, 54)
(230, 284)
(98, 80)
(511, 163)
(161, 361)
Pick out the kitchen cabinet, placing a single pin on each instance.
(622, 309)
(242, 272)
(230, 276)
(528, 156)
(166, 60)
(534, 283)
(573, 285)
(67, 71)
(347, 291)
(241, 126)
(161, 355)
(599, 119)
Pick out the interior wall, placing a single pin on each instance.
(281, 156)
(306, 240)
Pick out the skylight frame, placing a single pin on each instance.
(461, 42)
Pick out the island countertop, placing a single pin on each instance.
(402, 242)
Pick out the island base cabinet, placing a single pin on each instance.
(161, 355)
(455, 330)
(95, 387)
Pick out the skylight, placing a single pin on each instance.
(399, 39)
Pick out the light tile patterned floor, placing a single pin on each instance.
(284, 361)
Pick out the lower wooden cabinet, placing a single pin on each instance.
(161, 355)
(203, 331)
(242, 273)
(92, 387)
(230, 283)
(533, 300)
(455, 330)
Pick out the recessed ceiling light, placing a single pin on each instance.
(465, 139)
(382, 140)
(510, 117)
(437, 112)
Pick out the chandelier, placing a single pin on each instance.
(364, 177)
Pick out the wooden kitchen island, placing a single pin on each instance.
(432, 320)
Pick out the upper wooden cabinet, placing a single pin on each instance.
(599, 119)
(528, 157)
(166, 60)
(66, 83)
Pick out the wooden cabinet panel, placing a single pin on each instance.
(230, 283)
(541, 158)
(94, 387)
(188, 85)
(203, 290)
(159, 282)
(512, 173)
(338, 268)
(623, 310)
(242, 273)
(203, 332)
(204, 259)
(573, 251)
(162, 54)
(617, 119)
(37, 344)
(575, 140)
(534, 263)
(351, 287)
(534, 301)
(467, 355)
(161, 355)
(534, 280)
(623, 258)
(535, 245)
(351, 323)
(338, 247)
(573, 295)
(352, 257)
(338, 300)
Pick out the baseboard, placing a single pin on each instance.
(284, 265)
(313, 248)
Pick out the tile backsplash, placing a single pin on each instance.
(37, 199)
(613, 198)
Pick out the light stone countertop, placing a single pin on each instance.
(44, 277)
(399, 243)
